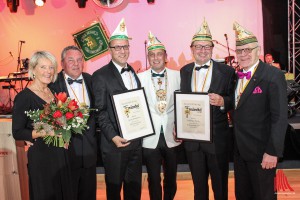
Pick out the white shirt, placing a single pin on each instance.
(244, 81)
(200, 78)
(127, 77)
(78, 91)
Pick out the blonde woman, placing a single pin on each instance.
(48, 166)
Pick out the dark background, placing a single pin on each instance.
(275, 23)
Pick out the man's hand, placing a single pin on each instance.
(120, 142)
(268, 161)
(215, 99)
(174, 136)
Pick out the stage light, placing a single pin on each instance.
(150, 1)
(39, 3)
(13, 5)
(81, 3)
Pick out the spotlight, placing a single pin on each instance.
(81, 3)
(39, 3)
(13, 5)
(150, 1)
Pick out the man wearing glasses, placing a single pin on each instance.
(122, 160)
(260, 120)
(208, 76)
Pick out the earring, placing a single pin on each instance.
(33, 76)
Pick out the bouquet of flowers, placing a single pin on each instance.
(63, 116)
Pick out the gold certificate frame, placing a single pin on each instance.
(133, 114)
(193, 116)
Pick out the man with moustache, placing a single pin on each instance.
(206, 75)
(122, 160)
(82, 148)
(260, 120)
(160, 83)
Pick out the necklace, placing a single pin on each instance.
(161, 94)
(82, 104)
(241, 87)
(204, 82)
(48, 96)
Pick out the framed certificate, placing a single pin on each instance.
(193, 116)
(132, 114)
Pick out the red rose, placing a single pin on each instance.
(73, 105)
(69, 115)
(79, 114)
(62, 96)
(57, 114)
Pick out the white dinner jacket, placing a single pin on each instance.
(165, 119)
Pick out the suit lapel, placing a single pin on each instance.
(117, 75)
(254, 81)
(88, 86)
(215, 78)
(62, 83)
(190, 74)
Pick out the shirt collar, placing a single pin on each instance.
(207, 63)
(67, 76)
(119, 68)
(251, 69)
(162, 72)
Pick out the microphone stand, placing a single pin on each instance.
(19, 61)
(145, 43)
(229, 59)
(19, 55)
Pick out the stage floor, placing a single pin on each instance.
(185, 186)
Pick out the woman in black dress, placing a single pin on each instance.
(48, 166)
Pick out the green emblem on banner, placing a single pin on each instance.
(92, 40)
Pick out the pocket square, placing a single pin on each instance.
(257, 90)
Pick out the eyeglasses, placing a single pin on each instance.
(159, 55)
(199, 47)
(246, 51)
(119, 48)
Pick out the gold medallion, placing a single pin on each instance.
(161, 106)
(161, 94)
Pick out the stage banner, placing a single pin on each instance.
(93, 40)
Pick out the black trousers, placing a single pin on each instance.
(154, 159)
(123, 168)
(251, 181)
(84, 183)
(202, 165)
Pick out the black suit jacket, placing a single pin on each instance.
(222, 83)
(83, 148)
(260, 119)
(107, 81)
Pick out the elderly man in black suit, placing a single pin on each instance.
(260, 120)
(206, 75)
(83, 148)
(122, 160)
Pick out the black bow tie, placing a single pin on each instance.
(158, 75)
(202, 67)
(125, 69)
(71, 81)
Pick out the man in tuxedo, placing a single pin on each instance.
(82, 148)
(206, 75)
(160, 83)
(122, 160)
(260, 120)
